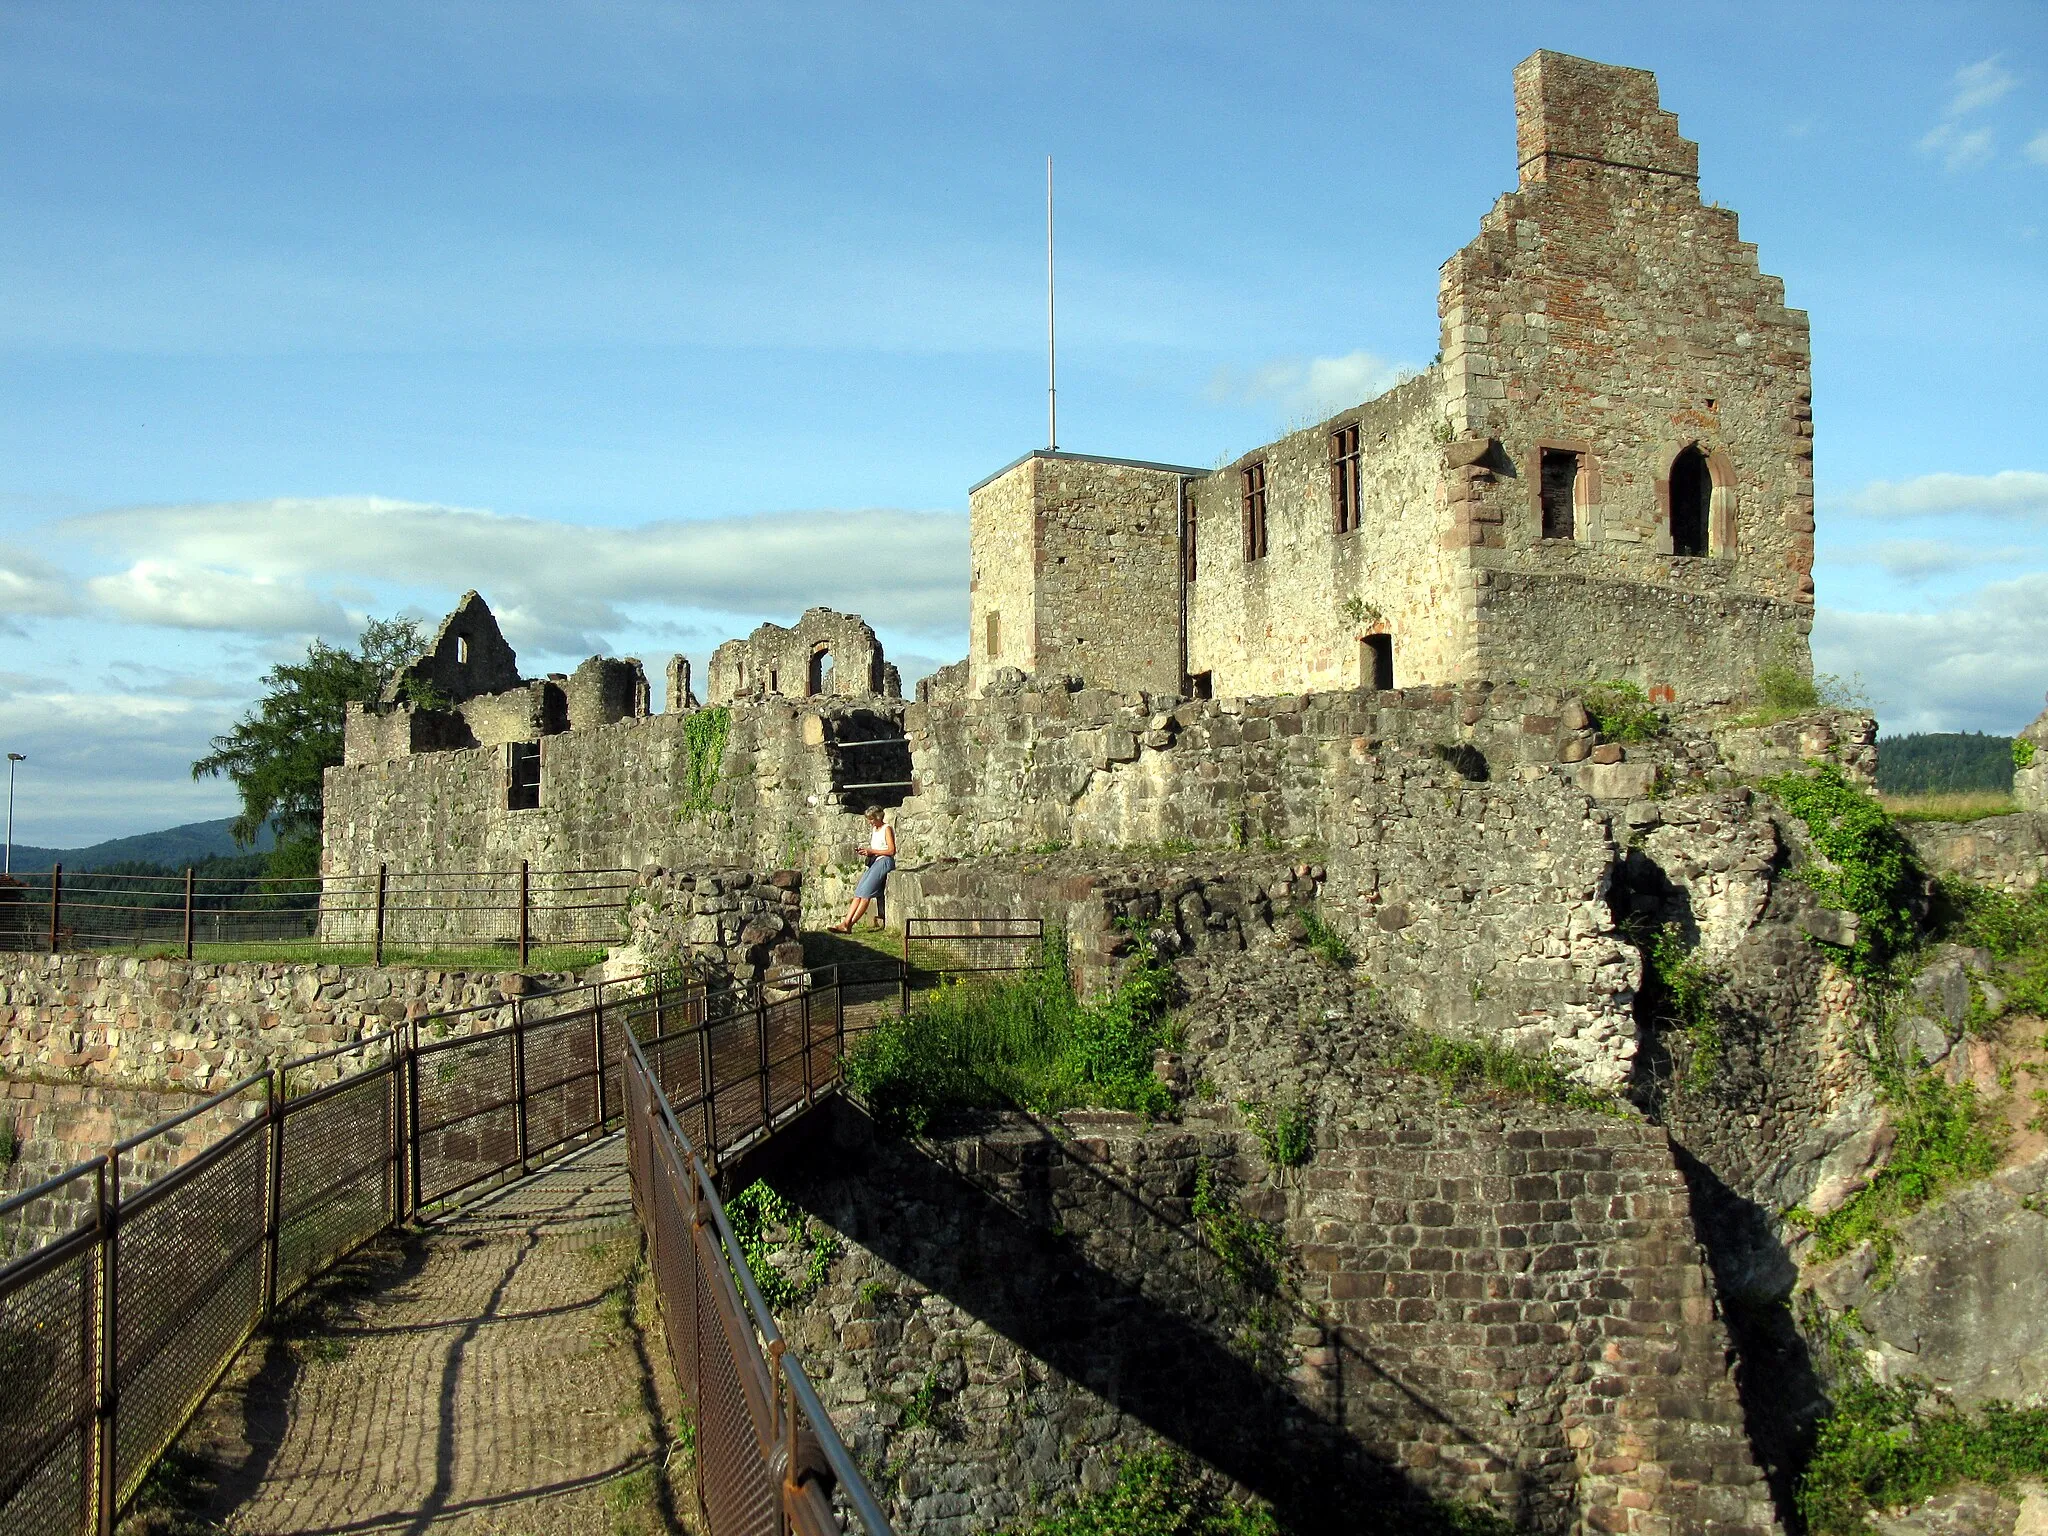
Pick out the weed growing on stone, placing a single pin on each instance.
(1862, 863)
(1685, 994)
(787, 1257)
(1622, 712)
(873, 1293)
(1021, 1042)
(1784, 691)
(2013, 928)
(1249, 1250)
(2023, 752)
(1469, 1069)
(705, 734)
(1945, 1137)
(1325, 942)
(1158, 1493)
(1286, 1130)
(1879, 1450)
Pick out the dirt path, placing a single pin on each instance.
(492, 1374)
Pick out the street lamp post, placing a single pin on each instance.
(12, 759)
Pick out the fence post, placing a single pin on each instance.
(597, 1051)
(519, 1078)
(525, 906)
(707, 1090)
(273, 1192)
(56, 902)
(761, 1029)
(396, 1070)
(803, 1014)
(109, 1394)
(412, 1113)
(188, 911)
(383, 880)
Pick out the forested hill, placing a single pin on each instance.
(1943, 762)
(172, 848)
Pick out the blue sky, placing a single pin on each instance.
(654, 321)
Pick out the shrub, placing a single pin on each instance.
(1784, 688)
(1878, 1450)
(1249, 1249)
(1621, 712)
(1158, 1493)
(1864, 865)
(1285, 1128)
(2022, 752)
(786, 1257)
(1680, 989)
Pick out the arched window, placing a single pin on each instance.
(821, 670)
(1692, 495)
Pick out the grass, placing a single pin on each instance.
(1325, 942)
(1952, 805)
(486, 957)
(1485, 1069)
(1017, 1042)
(1879, 1450)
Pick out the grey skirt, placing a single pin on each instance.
(876, 877)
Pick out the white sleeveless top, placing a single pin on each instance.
(878, 839)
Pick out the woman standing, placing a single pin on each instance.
(881, 856)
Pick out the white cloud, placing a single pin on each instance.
(184, 596)
(272, 566)
(1917, 559)
(1981, 665)
(2021, 493)
(2037, 148)
(1315, 386)
(29, 586)
(1979, 85)
(1959, 149)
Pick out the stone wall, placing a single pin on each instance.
(1296, 618)
(1508, 1312)
(826, 653)
(2030, 784)
(2007, 853)
(176, 1024)
(724, 924)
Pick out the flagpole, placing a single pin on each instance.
(1052, 372)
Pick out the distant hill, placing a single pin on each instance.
(174, 847)
(1943, 762)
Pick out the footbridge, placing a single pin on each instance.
(124, 1302)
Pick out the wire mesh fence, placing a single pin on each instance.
(517, 910)
(126, 1290)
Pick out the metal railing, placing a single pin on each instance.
(768, 1459)
(114, 1330)
(376, 910)
(963, 945)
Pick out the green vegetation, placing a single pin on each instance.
(1878, 1450)
(1951, 805)
(1621, 712)
(2023, 752)
(1158, 1493)
(276, 754)
(1945, 1137)
(1863, 863)
(1285, 1128)
(1250, 1250)
(1783, 690)
(1944, 762)
(1325, 942)
(1020, 1042)
(787, 1257)
(705, 733)
(1474, 1069)
(1683, 994)
(2013, 928)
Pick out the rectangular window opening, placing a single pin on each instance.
(1201, 685)
(1187, 552)
(1345, 512)
(995, 635)
(1376, 662)
(1255, 511)
(522, 776)
(1558, 489)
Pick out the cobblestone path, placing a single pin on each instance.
(485, 1376)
